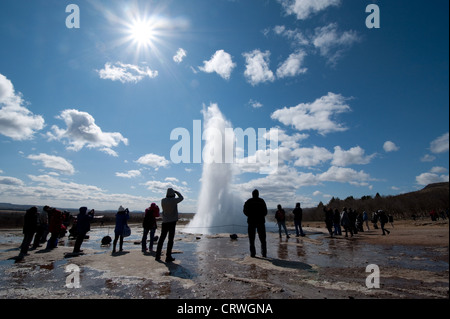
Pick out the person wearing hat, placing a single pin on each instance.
(121, 220)
(169, 206)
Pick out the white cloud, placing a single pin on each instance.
(221, 63)
(154, 161)
(10, 181)
(54, 162)
(292, 66)
(298, 38)
(344, 175)
(430, 178)
(441, 144)
(129, 174)
(332, 43)
(126, 73)
(281, 186)
(180, 55)
(16, 121)
(44, 189)
(427, 158)
(82, 131)
(257, 67)
(438, 169)
(161, 187)
(390, 147)
(315, 116)
(355, 155)
(307, 157)
(255, 104)
(303, 9)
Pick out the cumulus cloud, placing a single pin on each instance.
(441, 144)
(126, 73)
(390, 147)
(331, 43)
(292, 66)
(307, 157)
(316, 116)
(129, 174)
(57, 163)
(257, 67)
(303, 9)
(161, 187)
(82, 131)
(10, 181)
(221, 63)
(281, 186)
(430, 178)
(16, 121)
(180, 55)
(355, 155)
(153, 160)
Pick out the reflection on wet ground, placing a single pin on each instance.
(206, 266)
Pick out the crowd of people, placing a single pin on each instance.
(37, 226)
(350, 221)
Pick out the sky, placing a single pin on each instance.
(91, 92)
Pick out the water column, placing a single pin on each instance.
(218, 209)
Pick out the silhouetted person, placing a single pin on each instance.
(345, 222)
(55, 224)
(170, 217)
(352, 215)
(298, 216)
(383, 221)
(83, 226)
(30, 226)
(149, 224)
(366, 219)
(337, 222)
(329, 220)
(41, 232)
(122, 217)
(280, 216)
(255, 209)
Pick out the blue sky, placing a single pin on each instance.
(86, 113)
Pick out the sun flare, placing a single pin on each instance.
(142, 33)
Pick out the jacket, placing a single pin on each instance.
(256, 210)
(170, 208)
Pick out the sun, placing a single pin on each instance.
(142, 33)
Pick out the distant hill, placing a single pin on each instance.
(419, 203)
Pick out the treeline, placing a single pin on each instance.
(404, 206)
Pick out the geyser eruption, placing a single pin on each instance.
(218, 209)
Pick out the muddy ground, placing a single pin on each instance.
(412, 262)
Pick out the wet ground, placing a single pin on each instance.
(215, 266)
